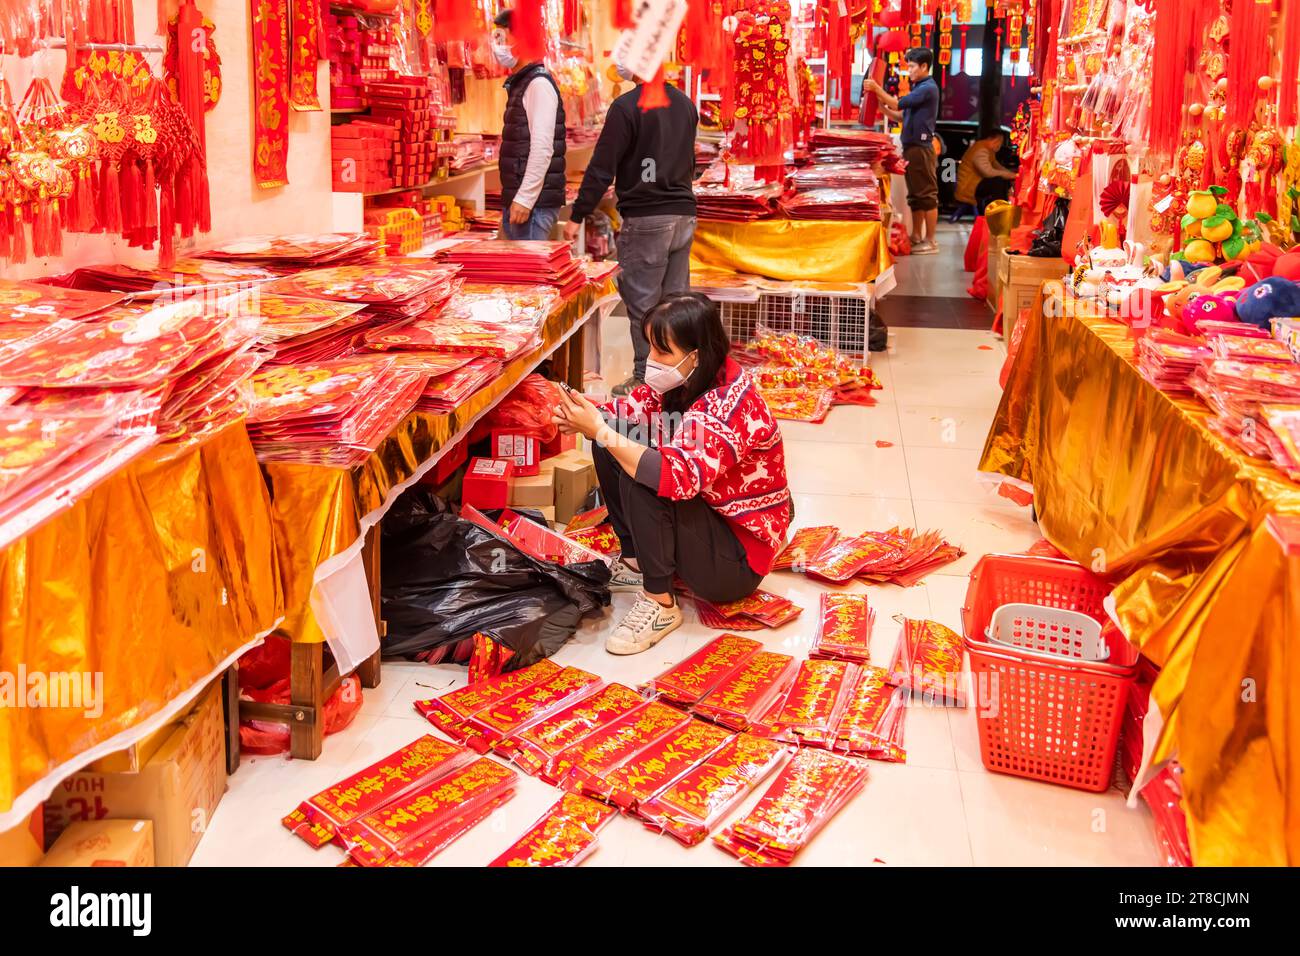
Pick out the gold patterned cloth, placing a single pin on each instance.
(318, 511)
(154, 579)
(1132, 480)
(824, 250)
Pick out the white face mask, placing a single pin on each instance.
(504, 54)
(664, 378)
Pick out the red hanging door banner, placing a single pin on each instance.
(270, 92)
(303, 54)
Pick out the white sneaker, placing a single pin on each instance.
(927, 248)
(648, 623)
(623, 578)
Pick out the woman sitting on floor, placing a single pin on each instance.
(692, 469)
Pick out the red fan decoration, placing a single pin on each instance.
(1114, 199)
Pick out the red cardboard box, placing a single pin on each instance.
(559, 445)
(456, 456)
(487, 483)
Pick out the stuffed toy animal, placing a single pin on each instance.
(1271, 299)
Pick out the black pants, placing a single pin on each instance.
(995, 187)
(665, 537)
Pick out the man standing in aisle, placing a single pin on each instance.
(531, 160)
(918, 110)
(650, 157)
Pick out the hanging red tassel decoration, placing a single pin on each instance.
(458, 20)
(193, 185)
(1248, 59)
(572, 17)
(1289, 93)
(704, 45)
(528, 30)
(18, 240)
(621, 14)
(653, 95)
(1177, 37)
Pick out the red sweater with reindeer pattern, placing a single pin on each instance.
(728, 450)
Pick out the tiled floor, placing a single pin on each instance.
(941, 807)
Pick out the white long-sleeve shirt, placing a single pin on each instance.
(541, 104)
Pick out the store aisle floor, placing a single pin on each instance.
(909, 460)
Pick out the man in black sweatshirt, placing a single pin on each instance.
(650, 157)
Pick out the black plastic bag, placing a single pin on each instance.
(445, 578)
(1047, 240)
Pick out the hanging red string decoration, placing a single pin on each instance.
(572, 17)
(458, 20)
(205, 35)
(620, 12)
(304, 44)
(703, 42)
(764, 102)
(1177, 30)
(1248, 58)
(653, 95)
(270, 92)
(195, 89)
(1289, 93)
(529, 31)
(943, 20)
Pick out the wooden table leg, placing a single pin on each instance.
(307, 697)
(576, 358)
(369, 670)
(230, 695)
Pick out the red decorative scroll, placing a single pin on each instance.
(816, 700)
(302, 61)
(693, 678)
(452, 709)
(270, 92)
(927, 661)
(564, 836)
(805, 795)
(700, 798)
(317, 819)
(743, 698)
(872, 724)
(655, 767)
(614, 743)
(536, 747)
(494, 723)
(445, 834)
(845, 632)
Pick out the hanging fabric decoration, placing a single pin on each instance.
(620, 12)
(529, 31)
(1289, 90)
(1178, 28)
(205, 35)
(943, 22)
(270, 92)
(305, 42)
(1248, 58)
(195, 87)
(703, 41)
(572, 17)
(764, 101)
(458, 20)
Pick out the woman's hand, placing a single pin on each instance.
(576, 414)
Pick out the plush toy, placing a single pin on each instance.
(1271, 299)
(1287, 266)
(1215, 306)
(1261, 263)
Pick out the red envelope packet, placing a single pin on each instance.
(715, 620)
(693, 678)
(696, 801)
(928, 661)
(564, 836)
(450, 710)
(614, 743)
(817, 698)
(747, 694)
(655, 767)
(845, 629)
(533, 749)
(318, 819)
(805, 795)
(402, 825)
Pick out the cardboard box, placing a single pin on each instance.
(575, 476)
(24, 845)
(178, 789)
(524, 450)
(997, 252)
(487, 483)
(1022, 278)
(104, 843)
(533, 491)
(134, 758)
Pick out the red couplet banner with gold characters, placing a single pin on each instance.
(304, 50)
(270, 92)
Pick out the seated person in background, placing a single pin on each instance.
(700, 494)
(981, 178)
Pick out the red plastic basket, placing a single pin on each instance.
(1042, 716)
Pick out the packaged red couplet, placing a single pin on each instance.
(698, 799)
(845, 558)
(443, 836)
(564, 836)
(928, 661)
(753, 605)
(704, 670)
(845, 631)
(510, 715)
(450, 710)
(873, 714)
(534, 748)
(816, 699)
(401, 825)
(715, 620)
(805, 545)
(746, 695)
(614, 743)
(317, 819)
(655, 767)
(808, 791)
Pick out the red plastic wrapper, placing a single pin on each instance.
(770, 610)
(845, 628)
(452, 709)
(742, 699)
(841, 561)
(527, 410)
(692, 679)
(444, 835)
(611, 745)
(405, 826)
(600, 539)
(805, 545)
(808, 791)
(655, 767)
(318, 819)
(697, 800)
(812, 709)
(928, 662)
(872, 723)
(533, 749)
(492, 725)
(564, 836)
(715, 620)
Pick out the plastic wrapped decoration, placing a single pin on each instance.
(763, 111)
(564, 836)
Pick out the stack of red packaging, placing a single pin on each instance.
(362, 156)
(727, 203)
(1167, 359)
(759, 610)
(900, 555)
(405, 105)
(519, 263)
(293, 252)
(359, 54)
(858, 204)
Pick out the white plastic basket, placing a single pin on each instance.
(1048, 630)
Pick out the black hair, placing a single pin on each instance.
(920, 56)
(504, 19)
(692, 322)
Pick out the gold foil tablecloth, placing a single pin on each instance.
(318, 511)
(794, 249)
(1131, 481)
(154, 579)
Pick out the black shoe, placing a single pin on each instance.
(877, 334)
(625, 387)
